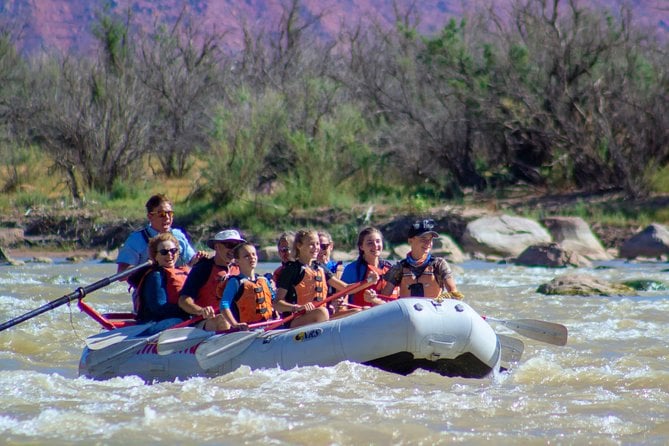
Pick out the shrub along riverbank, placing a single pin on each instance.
(96, 227)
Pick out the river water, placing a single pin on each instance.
(609, 385)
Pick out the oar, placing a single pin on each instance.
(80, 293)
(179, 339)
(543, 331)
(121, 350)
(216, 351)
(512, 348)
(111, 337)
(353, 288)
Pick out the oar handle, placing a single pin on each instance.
(79, 293)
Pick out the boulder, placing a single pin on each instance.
(550, 255)
(584, 285)
(269, 254)
(574, 234)
(652, 242)
(11, 236)
(445, 247)
(503, 235)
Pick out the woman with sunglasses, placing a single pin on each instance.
(157, 293)
(325, 254)
(283, 245)
(161, 216)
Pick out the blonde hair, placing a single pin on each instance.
(300, 236)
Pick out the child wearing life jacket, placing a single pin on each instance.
(370, 247)
(304, 282)
(158, 290)
(420, 274)
(247, 297)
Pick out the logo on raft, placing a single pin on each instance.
(306, 335)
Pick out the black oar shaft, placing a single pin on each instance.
(80, 293)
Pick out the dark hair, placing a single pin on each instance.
(361, 238)
(155, 201)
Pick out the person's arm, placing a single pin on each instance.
(391, 279)
(281, 305)
(227, 300)
(196, 279)
(447, 282)
(188, 304)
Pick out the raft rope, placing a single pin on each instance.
(74, 329)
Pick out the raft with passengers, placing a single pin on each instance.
(398, 318)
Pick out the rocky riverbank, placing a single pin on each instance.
(80, 233)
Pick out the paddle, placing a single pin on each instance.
(111, 337)
(512, 348)
(351, 289)
(121, 350)
(179, 339)
(544, 331)
(80, 293)
(213, 353)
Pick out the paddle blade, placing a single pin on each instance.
(512, 348)
(548, 332)
(216, 351)
(179, 339)
(115, 353)
(111, 337)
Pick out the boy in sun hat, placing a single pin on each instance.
(200, 294)
(420, 274)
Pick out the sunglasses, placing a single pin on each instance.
(162, 214)
(284, 249)
(325, 246)
(229, 245)
(173, 251)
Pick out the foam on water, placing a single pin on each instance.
(607, 386)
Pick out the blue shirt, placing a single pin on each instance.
(135, 250)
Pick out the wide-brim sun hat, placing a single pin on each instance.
(228, 235)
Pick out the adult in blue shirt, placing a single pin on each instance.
(161, 216)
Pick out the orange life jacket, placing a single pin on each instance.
(312, 287)
(254, 303)
(210, 293)
(174, 281)
(221, 282)
(358, 298)
(423, 275)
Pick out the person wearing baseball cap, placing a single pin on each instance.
(200, 294)
(420, 274)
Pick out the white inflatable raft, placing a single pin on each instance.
(447, 337)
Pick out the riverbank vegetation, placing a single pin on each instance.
(546, 97)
